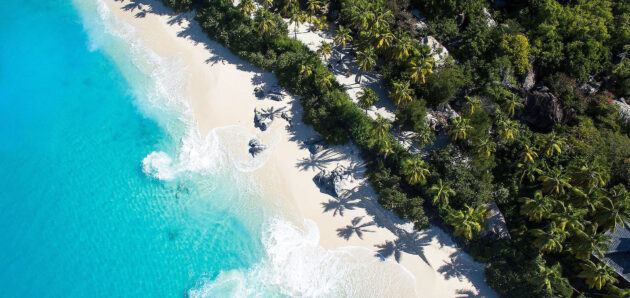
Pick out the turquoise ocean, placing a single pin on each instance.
(107, 191)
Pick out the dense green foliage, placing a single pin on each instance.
(560, 190)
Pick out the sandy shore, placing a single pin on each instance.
(220, 89)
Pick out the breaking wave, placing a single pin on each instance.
(296, 265)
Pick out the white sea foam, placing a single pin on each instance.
(297, 266)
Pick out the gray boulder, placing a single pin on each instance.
(259, 92)
(262, 120)
(542, 110)
(333, 182)
(255, 147)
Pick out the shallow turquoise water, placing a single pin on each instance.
(78, 216)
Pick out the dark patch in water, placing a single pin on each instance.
(172, 235)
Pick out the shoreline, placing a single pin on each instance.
(221, 93)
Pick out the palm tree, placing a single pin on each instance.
(291, 6)
(402, 94)
(551, 144)
(367, 97)
(247, 7)
(459, 128)
(586, 242)
(267, 4)
(342, 35)
(469, 222)
(555, 182)
(383, 38)
(441, 192)
(614, 211)
(537, 208)
(415, 170)
(419, 67)
(324, 80)
(313, 6)
(473, 103)
(588, 177)
(424, 136)
(366, 59)
(528, 154)
(403, 47)
(325, 50)
(298, 17)
(567, 216)
(380, 128)
(361, 19)
(527, 170)
(508, 129)
(547, 275)
(318, 23)
(266, 22)
(385, 148)
(597, 275)
(485, 147)
(513, 103)
(550, 239)
(306, 70)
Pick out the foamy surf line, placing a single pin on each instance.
(295, 263)
(297, 266)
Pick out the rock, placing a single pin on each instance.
(591, 87)
(431, 121)
(438, 51)
(262, 120)
(624, 110)
(259, 92)
(490, 22)
(333, 182)
(529, 80)
(543, 110)
(255, 147)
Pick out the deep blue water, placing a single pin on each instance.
(78, 216)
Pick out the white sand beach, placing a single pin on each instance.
(220, 91)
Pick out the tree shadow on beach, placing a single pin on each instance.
(339, 205)
(413, 244)
(355, 227)
(319, 160)
(457, 267)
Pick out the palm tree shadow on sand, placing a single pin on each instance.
(319, 161)
(339, 205)
(355, 227)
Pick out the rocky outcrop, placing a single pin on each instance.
(624, 110)
(529, 80)
(259, 92)
(438, 51)
(255, 147)
(262, 120)
(490, 22)
(437, 119)
(542, 110)
(333, 182)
